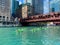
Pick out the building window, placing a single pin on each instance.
(3, 16)
(29, 10)
(53, 9)
(7, 19)
(0, 16)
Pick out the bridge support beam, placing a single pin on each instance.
(33, 23)
(24, 23)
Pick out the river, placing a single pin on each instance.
(48, 35)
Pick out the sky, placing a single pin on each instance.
(21, 1)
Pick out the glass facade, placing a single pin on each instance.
(38, 6)
(46, 6)
(15, 5)
(55, 5)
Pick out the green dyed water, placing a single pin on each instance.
(30, 35)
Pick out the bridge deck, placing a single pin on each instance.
(43, 18)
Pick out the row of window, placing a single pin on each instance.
(3, 17)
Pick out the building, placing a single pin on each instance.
(55, 6)
(46, 6)
(14, 6)
(28, 1)
(24, 10)
(5, 10)
(38, 6)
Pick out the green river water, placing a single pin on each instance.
(49, 35)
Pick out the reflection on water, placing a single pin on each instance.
(30, 35)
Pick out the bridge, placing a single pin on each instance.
(51, 17)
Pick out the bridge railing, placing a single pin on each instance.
(51, 15)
